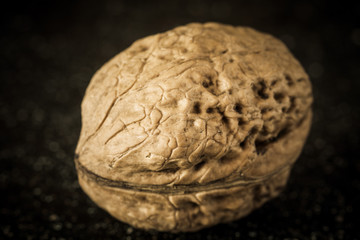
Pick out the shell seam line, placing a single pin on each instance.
(176, 189)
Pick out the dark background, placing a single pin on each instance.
(49, 51)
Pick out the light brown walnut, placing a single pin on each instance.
(193, 127)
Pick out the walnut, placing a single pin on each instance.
(193, 127)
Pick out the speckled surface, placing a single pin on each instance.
(49, 51)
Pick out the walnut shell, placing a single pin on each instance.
(193, 127)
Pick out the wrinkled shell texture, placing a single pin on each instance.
(193, 127)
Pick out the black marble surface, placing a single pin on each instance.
(49, 51)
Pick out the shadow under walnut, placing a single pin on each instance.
(193, 127)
